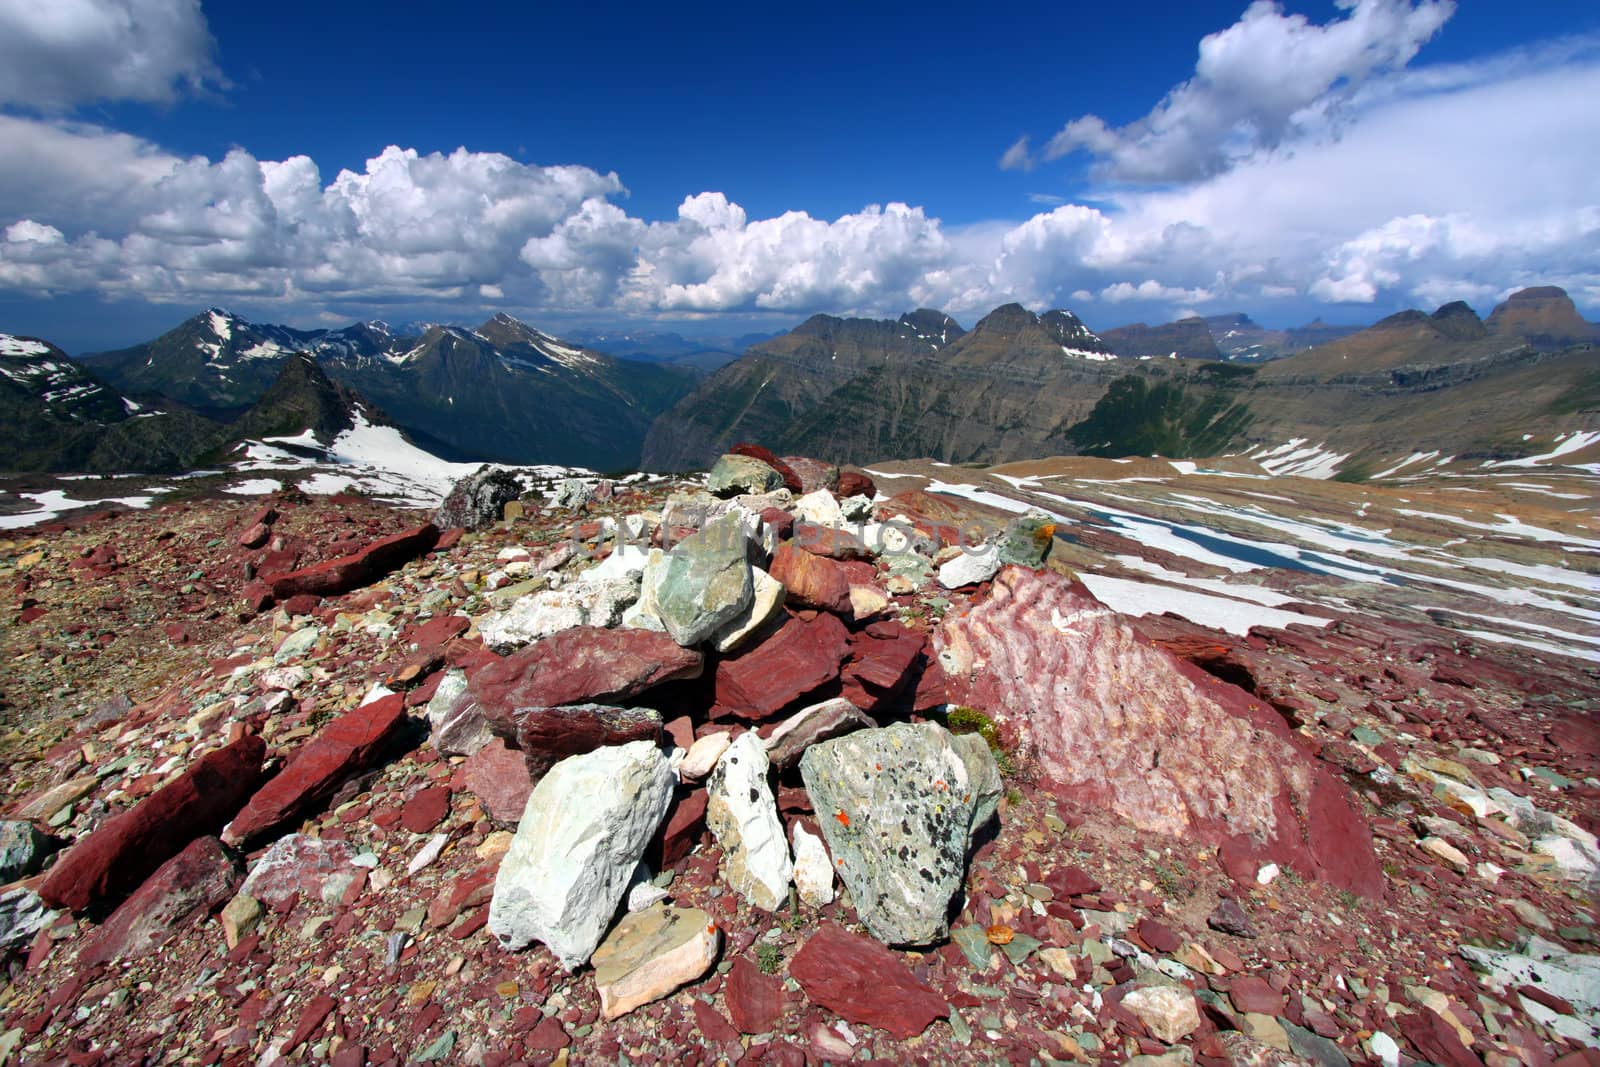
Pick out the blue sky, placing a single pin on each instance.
(717, 168)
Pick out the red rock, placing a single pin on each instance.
(828, 542)
(360, 568)
(257, 597)
(1436, 1040)
(1159, 937)
(437, 631)
(425, 809)
(498, 776)
(579, 666)
(30, 614)
(860, 980)
(855, 483)
(449, 539)
(1549, 1000)
(201, 877)
(1067, 882)
(546, 736)
(349, 744)
(778, 521)
(791, 480)
(548, 1036)
(312, 1016)
(813, 474)
(712, 1025)
(1114, 722)
(760, 680)
(1250, 993)
(884, 659)
(126, 849)
(755, 1000)
(683, 828)
(810, 581)
(255, 536)
(303, 604)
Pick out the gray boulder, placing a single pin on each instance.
(738, 475)
(896, 807)
(572, 493)
(23, 849)
(22, 916)
(477, 501)
(582, 834)
(704, 583)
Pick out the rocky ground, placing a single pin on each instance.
(1338, 807)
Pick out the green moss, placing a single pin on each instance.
(965, 720)
(769, 957)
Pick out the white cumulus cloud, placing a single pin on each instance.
(1255, 83)
(57, 54)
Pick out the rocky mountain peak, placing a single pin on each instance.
(302, 398)
(1543, 316)
(1457, 320)
(1070, 331)
(933, 326)
(1006, 319)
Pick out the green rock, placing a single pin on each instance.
(973, 941)
(1366, 735)
(1019, 948)
(958, 1028)
(704, 583)
(737, 475)
(1027, 540)
(440, 1049)
(983, 779)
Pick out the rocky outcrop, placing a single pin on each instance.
(1111, 721)
(733, 475)
(569, 864)
(338, 576)
(345, 746)
(118, 856)
(892, 802)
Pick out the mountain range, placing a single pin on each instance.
(504, 391)
(1020, 385)
(1017, 385)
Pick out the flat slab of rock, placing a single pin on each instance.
(570, 863)
(895, 805)
(350, 743)
(743, 817)
(800, 656)
(818, 722)
(546, 736)
(863, 982)
(122, 852)
(581, 666)
(336, 576)
(650, 954)
(735, 475)
(1115, 722)
(765, 600)
(201, 877)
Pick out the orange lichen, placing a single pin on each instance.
(844, 820)
(1000, 935)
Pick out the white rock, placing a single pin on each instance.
(297, 644)
(626, 561)
(642, 615)
(743, 816)
(376, 693)
(570, 863)
(429, 853)
(970, 567)
(767, 599)
(1169, 1014)
(813, 871)
(1267, 873)
(582, 603)
(856, 508)
(703, 755)
(1383, 1049)
(1577, 862)
(459, 729)
(819, 507)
